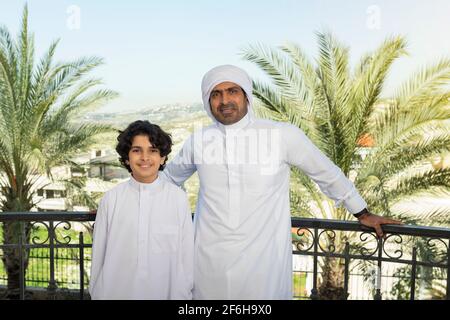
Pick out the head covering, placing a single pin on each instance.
(226, 73)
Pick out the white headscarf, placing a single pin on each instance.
(226, 73)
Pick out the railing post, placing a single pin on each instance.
(413, 273)
(346, 270)
(52, 283)
(81, 244)
(378, 279)
(447, 296)
(21, 262)
(314, 292)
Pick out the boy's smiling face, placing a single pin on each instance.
(144, 159)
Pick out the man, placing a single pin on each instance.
(243, 245)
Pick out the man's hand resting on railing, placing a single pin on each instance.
(374, 221)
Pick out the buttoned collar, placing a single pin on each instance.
(153, 187)
(235, 127)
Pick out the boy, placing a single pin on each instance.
(143, 235)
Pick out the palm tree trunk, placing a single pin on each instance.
(332, 286)
(15, 259)
(333, 271)
(12, 231)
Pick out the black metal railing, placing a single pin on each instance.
(65, 262)
(413, 246)
(52, 241)
(353, 245)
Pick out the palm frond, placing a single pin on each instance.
(405, 156)
(368, 83)
(422, 182)
(275, 64)
(426, 82)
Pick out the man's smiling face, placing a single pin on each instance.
(228, 103)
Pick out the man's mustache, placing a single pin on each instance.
(229, 105)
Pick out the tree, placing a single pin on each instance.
(39, 103)
(383, 144)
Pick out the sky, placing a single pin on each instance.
(156, 52)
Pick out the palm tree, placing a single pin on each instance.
(39, 103)
(382, 144)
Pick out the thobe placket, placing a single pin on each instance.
(233, 179)
(143, 229)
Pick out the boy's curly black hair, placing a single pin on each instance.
(158, 138)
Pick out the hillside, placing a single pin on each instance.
(178, 120)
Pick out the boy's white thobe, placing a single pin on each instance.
(143, 243)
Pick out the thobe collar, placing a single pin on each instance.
(245, 121)
(153, 187)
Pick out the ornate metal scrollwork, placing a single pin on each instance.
(331, 238)
(36, 239)
(306, 237)
(67, 239)
(363, 250)
(398, 240)
(433, 246)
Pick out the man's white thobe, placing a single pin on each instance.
(143, 243)
(243, 245)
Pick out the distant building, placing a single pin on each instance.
(104, 164)
(101, 169)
